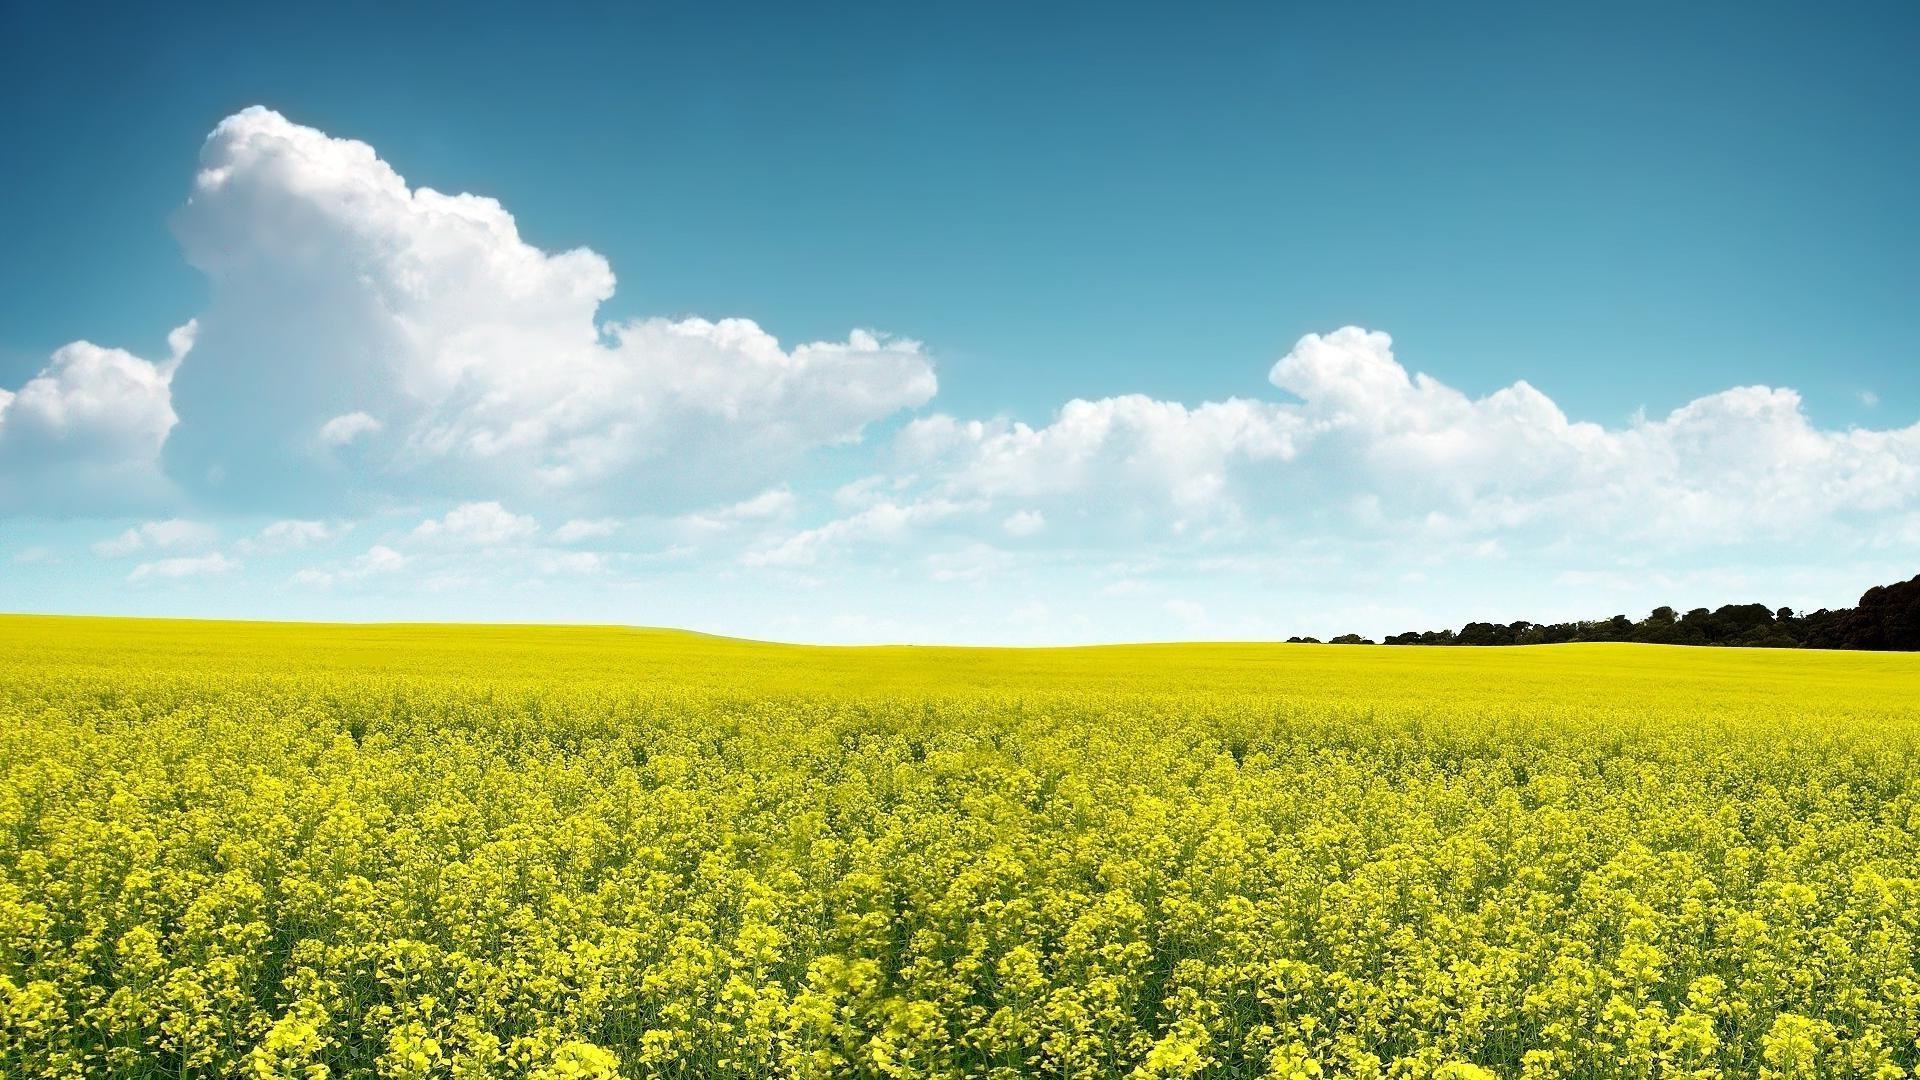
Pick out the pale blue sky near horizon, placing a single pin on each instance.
(1629, 207)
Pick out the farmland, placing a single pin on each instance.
(426, 851)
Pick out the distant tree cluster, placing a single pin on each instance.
(1888, 618)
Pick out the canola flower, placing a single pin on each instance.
(233, 850)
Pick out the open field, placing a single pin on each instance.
(416, 851)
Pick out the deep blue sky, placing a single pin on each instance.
(1626, 205)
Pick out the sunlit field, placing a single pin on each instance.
(423, 851)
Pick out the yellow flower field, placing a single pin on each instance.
(302, 851)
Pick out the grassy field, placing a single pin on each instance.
(426, 851)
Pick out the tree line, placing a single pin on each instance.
(1887, 618)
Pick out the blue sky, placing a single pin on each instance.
(1644, 215)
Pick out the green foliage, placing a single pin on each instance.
(1888, 618)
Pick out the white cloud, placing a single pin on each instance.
(1023, 523)
(347, 427)
(183, 566)
(1371, 451)
(878, 523)
(864, 492)
(292, 534)
(482, 524)
(579, 529)
(570, 562)
(1159, 447)
(974, 562)
(86, 432)
(472, 563)
(378, 559)
(480, 353)
(1869, 399)
(171, 535)
(770, 505)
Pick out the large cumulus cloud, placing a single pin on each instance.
(366, 329)
(88, 429)
(1360, 449)
(368, 338)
